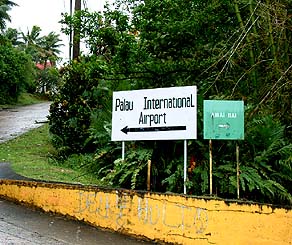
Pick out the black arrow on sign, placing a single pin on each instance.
(152, 129)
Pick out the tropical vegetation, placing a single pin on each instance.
(231, 50)
(5, 6)
(20, 53)
(237, 50)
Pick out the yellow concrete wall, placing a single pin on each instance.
(163, 217)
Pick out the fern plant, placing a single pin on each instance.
(131, 172)
(267, 175)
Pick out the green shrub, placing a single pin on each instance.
(79, 97)
(17, 73)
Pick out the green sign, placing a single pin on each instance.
(223, 120)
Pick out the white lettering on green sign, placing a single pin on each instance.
(223, 119)
(232, 115)
(223, 115)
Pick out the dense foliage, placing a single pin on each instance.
(20, 55)
(19, 58)
(16, 68)
(16, 72)
(230, 49)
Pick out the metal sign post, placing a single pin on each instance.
(210, 167)
(185, 165)
(237, 168)
(123, 150)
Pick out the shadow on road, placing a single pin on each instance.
(6, 172)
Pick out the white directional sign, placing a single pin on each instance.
(155, 114)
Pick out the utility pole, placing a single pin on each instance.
(76, 35)
(70, 34)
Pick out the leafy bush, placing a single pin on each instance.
(78, 98)
(17, 73)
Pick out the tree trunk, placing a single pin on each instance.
(76, 35)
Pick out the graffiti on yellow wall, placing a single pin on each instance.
(171, 215)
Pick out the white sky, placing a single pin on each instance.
(46, 14)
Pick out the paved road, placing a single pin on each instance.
(6, 172)
(18, 120)
(20, 225)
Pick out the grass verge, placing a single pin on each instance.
(26, 99)
(29, 156)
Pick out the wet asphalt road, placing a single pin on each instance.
(18, 120)
(20, 225)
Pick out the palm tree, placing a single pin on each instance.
(5, 6)
(41, 48)
(50, 48)
(31, 37)
(30, 42)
